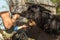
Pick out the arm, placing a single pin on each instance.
(6, 19)
(4, 13)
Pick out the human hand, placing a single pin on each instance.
(24, 26)
(16, 16)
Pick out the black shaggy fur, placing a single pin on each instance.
(43, 18)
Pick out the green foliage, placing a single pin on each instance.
(57, 2)
(58, 11)
(54, 1)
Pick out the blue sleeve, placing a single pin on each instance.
(4, 6)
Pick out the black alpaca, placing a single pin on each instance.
(43, 18)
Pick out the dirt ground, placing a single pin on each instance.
(38, 34)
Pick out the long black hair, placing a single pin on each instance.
(43, 18)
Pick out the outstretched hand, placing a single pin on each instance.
(14, 17)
